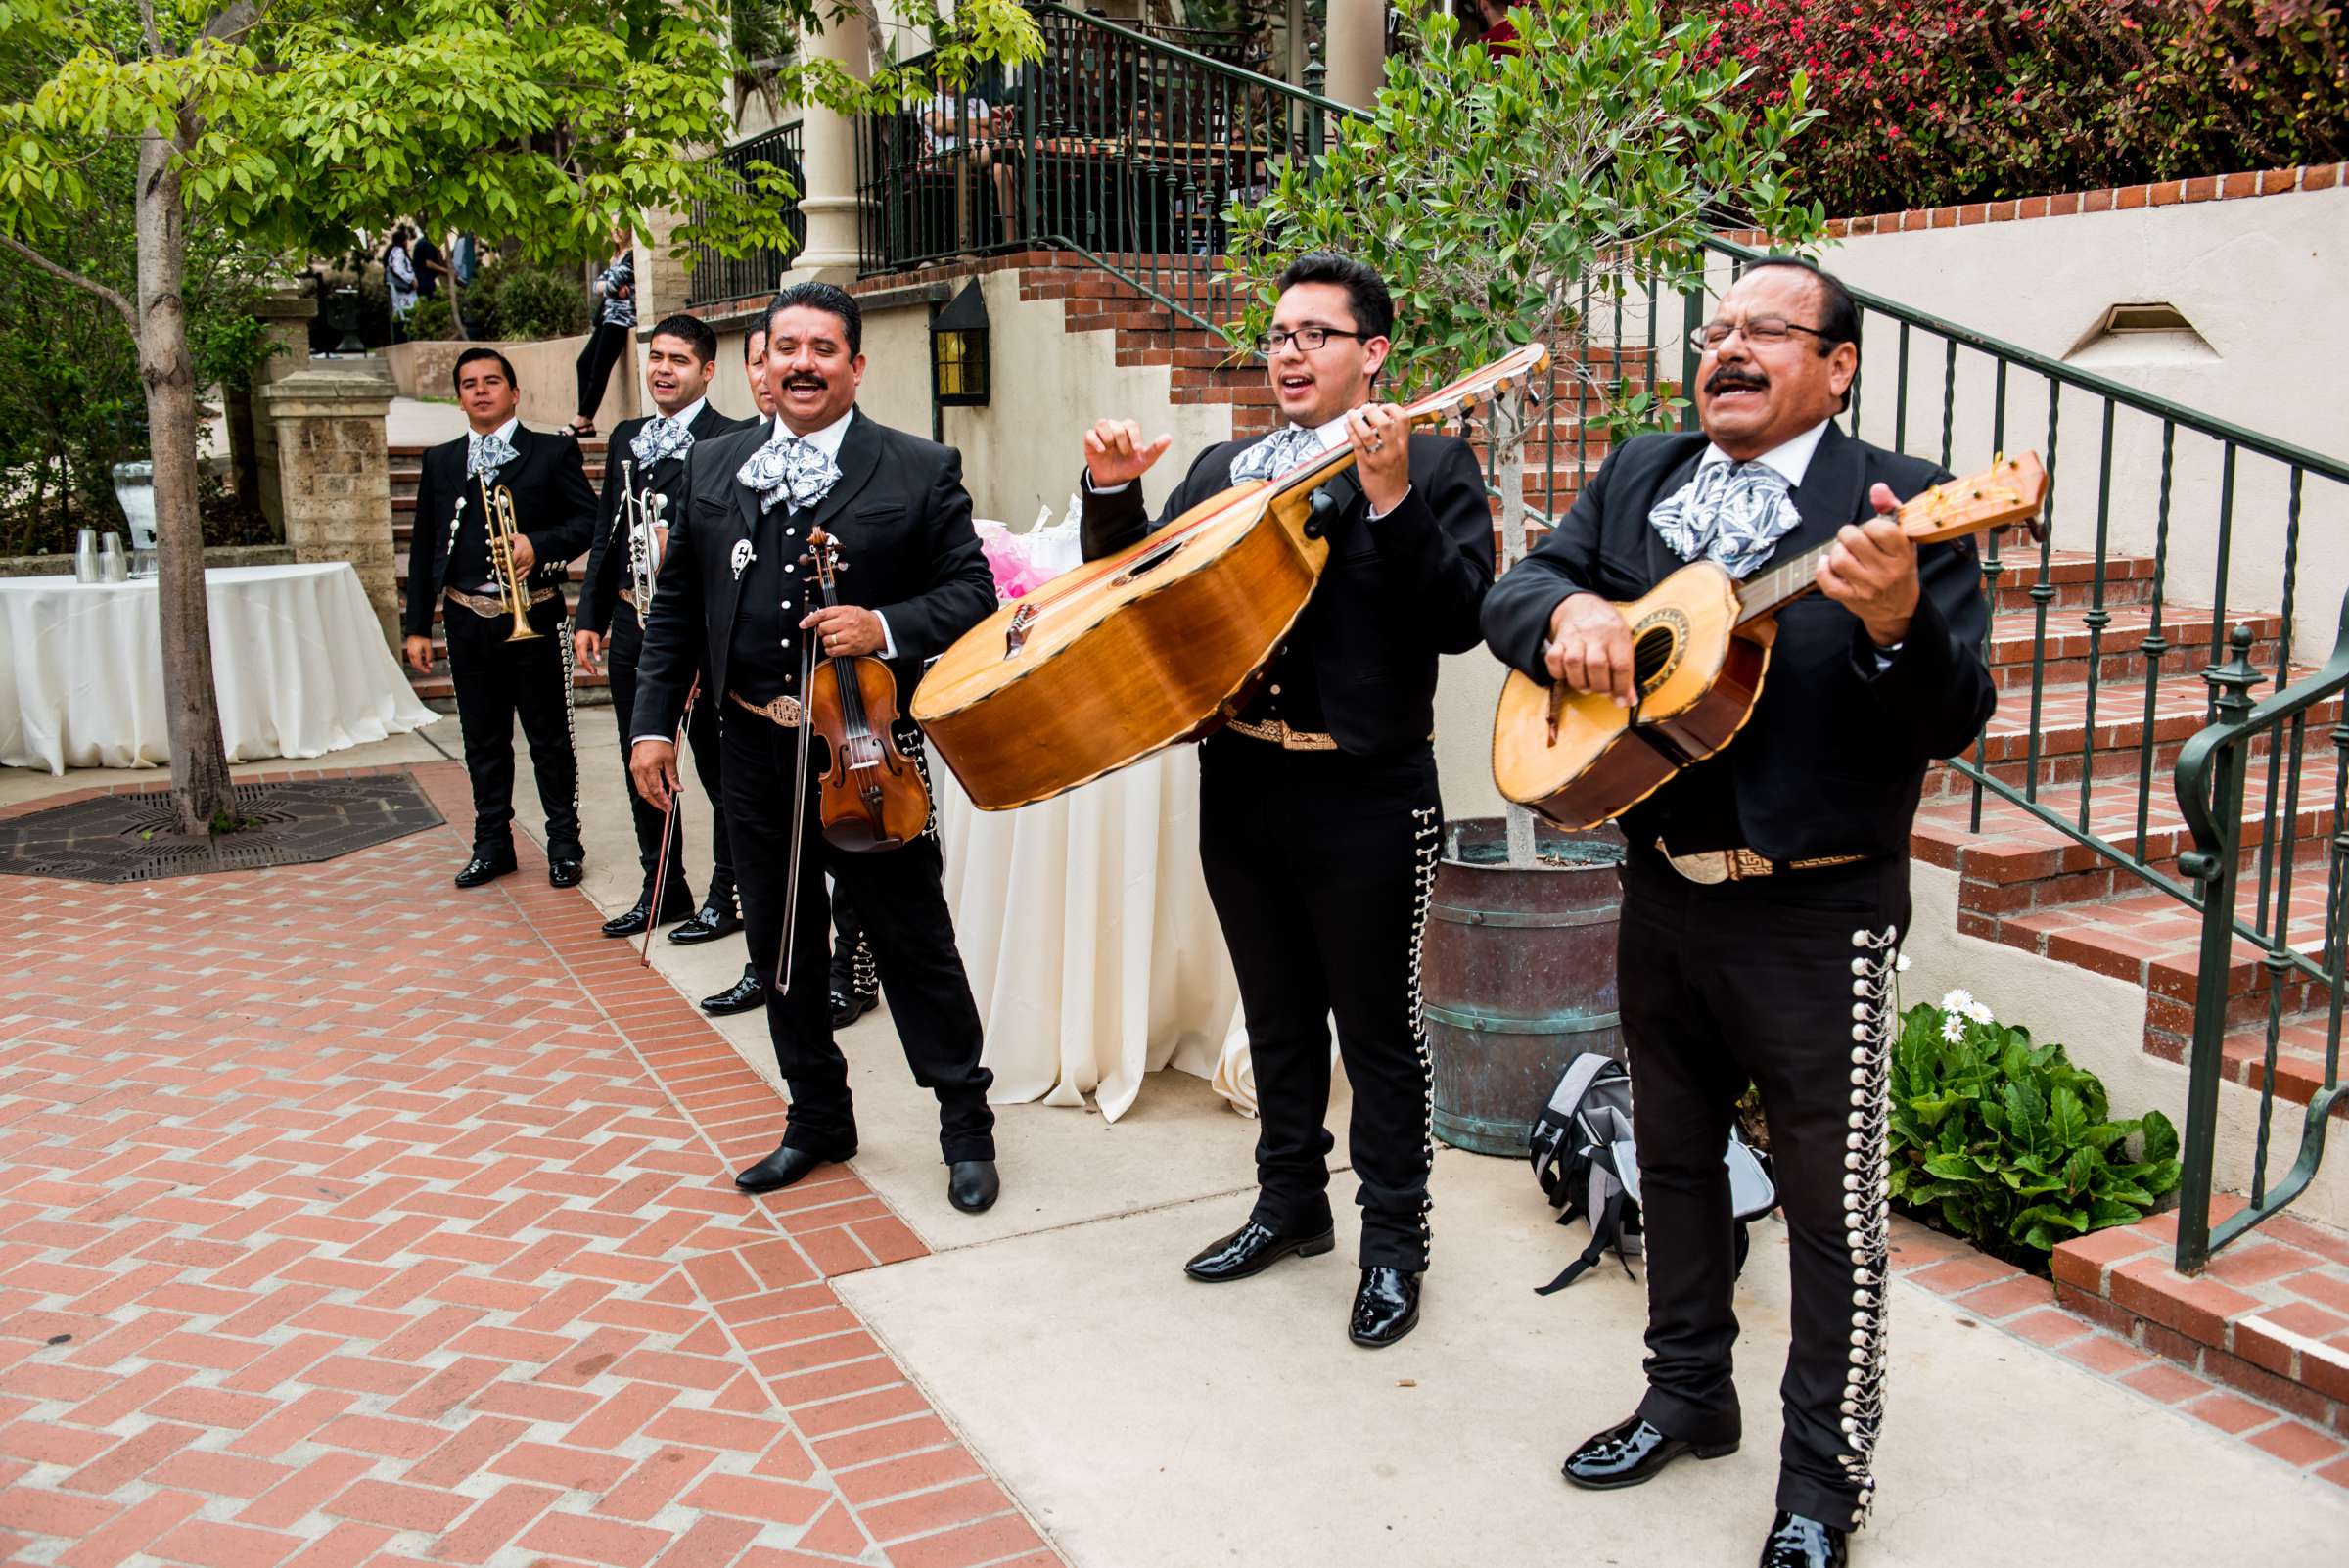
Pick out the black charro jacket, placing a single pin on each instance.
(554, 506)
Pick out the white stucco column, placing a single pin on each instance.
(1357, 43)
(828, 161)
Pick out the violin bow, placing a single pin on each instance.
(668, 819)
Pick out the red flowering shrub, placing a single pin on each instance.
(1932, 101)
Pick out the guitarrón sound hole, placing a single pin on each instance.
(1158, 557)
(1651, 656)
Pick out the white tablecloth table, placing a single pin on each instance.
(1091, 946)
(299, 660)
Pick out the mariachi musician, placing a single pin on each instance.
(641, 476)
(735, 590)
(507, 652)
(1767, 887)
(1319, 818)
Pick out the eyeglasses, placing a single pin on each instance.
(1306, 338)
(1757, 329)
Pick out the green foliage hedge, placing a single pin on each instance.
(1928, 103)
(2009, 1145)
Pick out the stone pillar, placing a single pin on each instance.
(284, 319)
(828, 163)
(336, 474)
(1357, 50)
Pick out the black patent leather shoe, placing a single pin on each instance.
(1799, 1543)
(739, 997)
(850, 1005)
(565, 870)
(633, 922)
(781, 1168)
(972, 1185)
(709, 923)
(1251, 1250)
(1626, 1455)
(486, 867)
(1385, 1309)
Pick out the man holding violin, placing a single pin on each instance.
(736, 585)
(1319, 818)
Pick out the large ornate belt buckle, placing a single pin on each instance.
(783, 710)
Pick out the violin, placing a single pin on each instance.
(871, 796)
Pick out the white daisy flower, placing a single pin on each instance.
(1953, 1028)
(1958, 1001)
(1902, 966)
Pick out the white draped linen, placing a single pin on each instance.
(299, 660)
(1085, 924)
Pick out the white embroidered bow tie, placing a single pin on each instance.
(489, 454)
(787, 465)
(1732, 514)
(661, 437)
(1276, 453)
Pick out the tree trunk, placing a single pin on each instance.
(200, 782)
(1505, 431)
(456, 307)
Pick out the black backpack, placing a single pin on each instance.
(1588, 1167)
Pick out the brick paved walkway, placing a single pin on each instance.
(346, 1220)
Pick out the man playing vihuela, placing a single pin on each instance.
(1767, 887)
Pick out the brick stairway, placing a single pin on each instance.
(437, 689)
(2031, 886)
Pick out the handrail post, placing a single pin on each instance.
(2214, 864)
(1692, 321)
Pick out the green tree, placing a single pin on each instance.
(1517, 198)
(291, 123)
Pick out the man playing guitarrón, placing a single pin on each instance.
(1318, 818)
(733, 586)
(1766, 888)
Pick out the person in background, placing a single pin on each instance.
(399, 281)
(961, 126)
(430, 265)
(608, 339)
(1496, 31)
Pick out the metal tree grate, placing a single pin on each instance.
(135, 838)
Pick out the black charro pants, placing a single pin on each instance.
(1320, 865)
(903, 901)
(701, 731)
(1784, 983)
(853, 971)
(606, 343)
(497, 681)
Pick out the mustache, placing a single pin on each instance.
(808, 382)
(1735, 378)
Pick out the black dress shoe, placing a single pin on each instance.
(972, 1185)
(1251, 1250)
(739, 997)
(850, 1005)
(1385, 1309)
(1799, 1543)
(486, 866)
(709, 923)
(1626, 1455)
(565, 870)
(633, 922)
(781, 1168)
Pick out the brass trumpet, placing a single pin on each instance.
(497, 512)
(643, 513)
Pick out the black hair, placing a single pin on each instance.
(1365, 290)
(1838, 312)
(828, 298)
(470, 356)
(759, 330)
(694, 329)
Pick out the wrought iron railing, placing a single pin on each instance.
(717, 277)
(1115, 145)
(2300, 979)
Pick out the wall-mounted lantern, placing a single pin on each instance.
(958, 363)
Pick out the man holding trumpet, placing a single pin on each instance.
(500, 514)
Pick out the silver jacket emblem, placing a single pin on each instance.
(743, 554)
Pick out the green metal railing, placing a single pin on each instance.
(2213, 772)
(1115, 145)
(716, 277)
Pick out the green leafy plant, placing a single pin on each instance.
(432, 320)
(524, 304)
(2009, 1145)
